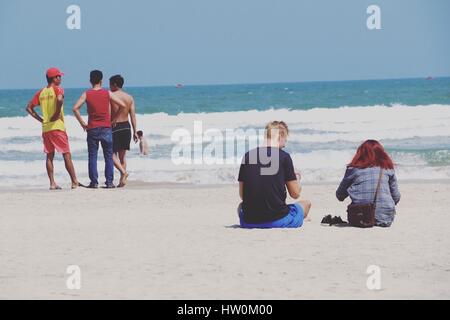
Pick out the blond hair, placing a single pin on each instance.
(280, 126)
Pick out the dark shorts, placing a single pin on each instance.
(121, 136)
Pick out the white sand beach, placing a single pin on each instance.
(181, 242)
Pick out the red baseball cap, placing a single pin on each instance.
(54, 72)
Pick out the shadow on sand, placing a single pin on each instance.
(234, 226)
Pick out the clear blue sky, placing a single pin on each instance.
(164, 42)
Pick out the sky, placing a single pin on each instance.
(165, 42)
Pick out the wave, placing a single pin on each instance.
(339, 123)
(397, 125)
(316, 166)
(322, 141)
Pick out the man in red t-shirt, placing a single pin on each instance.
(51, 100)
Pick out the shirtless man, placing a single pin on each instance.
(121, 126)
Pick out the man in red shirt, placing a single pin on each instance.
(51, 100)
(98, 101)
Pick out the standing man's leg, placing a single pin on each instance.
(123, 160)
(92, 141)
(49, 166)
(120, 136)
(70, 169)
(61, 143)
(118, 165)
(107, 146)
(49, 150)
(125, 140)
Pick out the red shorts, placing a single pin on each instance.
(56, 139)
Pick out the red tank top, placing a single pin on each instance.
(98, 108)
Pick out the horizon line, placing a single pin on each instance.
(252, 83)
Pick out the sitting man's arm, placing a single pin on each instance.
(292, 179)
(241, 190)
(294, 188)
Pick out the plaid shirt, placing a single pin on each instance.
(361, 184)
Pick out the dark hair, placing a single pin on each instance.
(371, 154)
(117, 80)
(95, 77)
(140, 133)
(50, 80)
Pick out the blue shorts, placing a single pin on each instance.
(294, 219)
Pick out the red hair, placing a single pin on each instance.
(371, 154)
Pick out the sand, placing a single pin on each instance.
(181, 242)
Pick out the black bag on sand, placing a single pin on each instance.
(363, 215)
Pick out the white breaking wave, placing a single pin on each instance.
(322, 142)
(345, 123)
(316, 167)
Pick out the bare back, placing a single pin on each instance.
(118, 113)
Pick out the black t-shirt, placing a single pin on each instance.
(265, 172)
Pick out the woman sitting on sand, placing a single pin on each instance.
(361, 180)
(264, 175)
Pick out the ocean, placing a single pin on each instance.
(327, 121)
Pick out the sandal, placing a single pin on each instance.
(327, 220)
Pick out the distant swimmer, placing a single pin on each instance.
(143, 144)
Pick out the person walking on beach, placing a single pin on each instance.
(264, 175)
(51, 101)
(371, 166)
(121, 127)
(98, 101)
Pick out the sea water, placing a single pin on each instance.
(327, 122)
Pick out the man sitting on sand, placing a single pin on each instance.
(98, 129)
(51, 100)
(121, 127)
(143, 144)
(264, 175)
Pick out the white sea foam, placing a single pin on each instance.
(322, 142)
(345, 123)
(316, 166)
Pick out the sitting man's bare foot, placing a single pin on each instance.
(123, 180)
